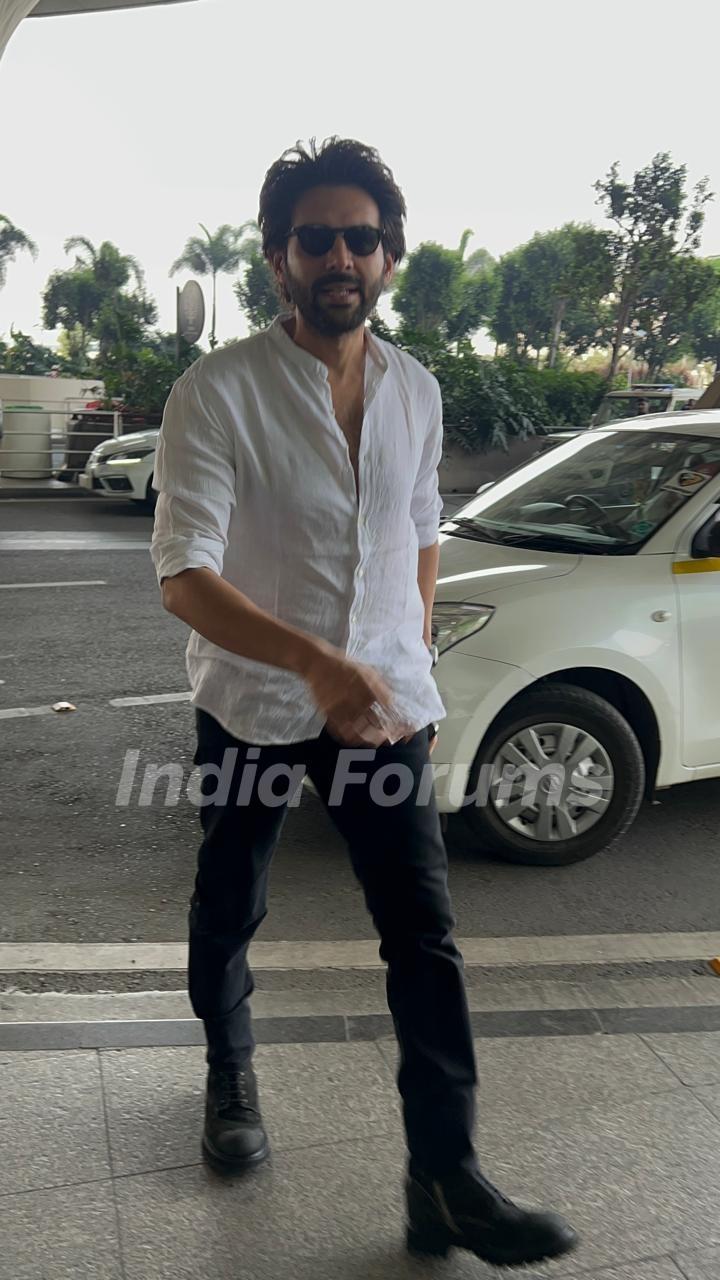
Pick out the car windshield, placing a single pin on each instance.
(615, 408)
(603, 493)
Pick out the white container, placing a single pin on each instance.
(26, 452)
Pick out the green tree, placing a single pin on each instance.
(654, 220)
(664, 309)
(578, 260)
(550, 291)
(519, 318)
(71, 350)
(221, 252)
(163, 343)
(704, 321)
(142, 378)
(26, 356)
(122, 322)
(438, 291)
(102, 298)
(257, 292)
(478, 290)
(12, 242)
(71, 300)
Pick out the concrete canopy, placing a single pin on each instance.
(46, 8)
(12, 12)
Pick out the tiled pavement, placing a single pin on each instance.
(101, 1174)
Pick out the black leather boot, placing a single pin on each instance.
(465, 1211)
(234, 1136)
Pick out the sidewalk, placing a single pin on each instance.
(102, 1176)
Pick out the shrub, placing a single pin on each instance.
(486, 403)
(571, 397)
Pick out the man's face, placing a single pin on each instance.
(336, 292)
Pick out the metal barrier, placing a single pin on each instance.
(39, 449)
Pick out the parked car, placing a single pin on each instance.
(577, 619)
(124, 466)
(638, 401)
(93, 425)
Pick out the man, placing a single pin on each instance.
(297, 534)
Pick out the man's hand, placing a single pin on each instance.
(353, 697)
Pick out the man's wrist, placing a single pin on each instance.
(304, 653)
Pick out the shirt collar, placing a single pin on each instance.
(376, 365)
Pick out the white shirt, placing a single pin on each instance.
(256, 483)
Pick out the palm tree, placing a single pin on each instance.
(223, 251)
(91, 295)
(111, 269)
(12, 240)
(72, 299)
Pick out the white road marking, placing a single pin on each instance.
(19, 713)
(63, 543)
(150, 698)
(580, 949)
(20, 586)
(80, 497)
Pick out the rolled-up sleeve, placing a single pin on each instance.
(426, 506)
(195, 476)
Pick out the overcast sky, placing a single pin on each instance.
(135, 126)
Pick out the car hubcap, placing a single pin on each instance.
(551, 782)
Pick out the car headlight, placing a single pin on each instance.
(452, 623)
(96, 454)
(130, 455)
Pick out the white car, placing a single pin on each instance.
(644, 398)
(124, 465)
(640, 400)
(577, 622)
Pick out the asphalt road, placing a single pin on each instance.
(78, 868)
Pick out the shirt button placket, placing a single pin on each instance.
(359, 575)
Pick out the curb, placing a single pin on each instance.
(113, 981)
(505, 952)
(26, 1037)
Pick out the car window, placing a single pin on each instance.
(604, 492)
(614, 409)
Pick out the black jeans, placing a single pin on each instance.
(399, 857)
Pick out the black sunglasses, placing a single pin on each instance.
(317, 239)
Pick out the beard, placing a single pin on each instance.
(325, 318)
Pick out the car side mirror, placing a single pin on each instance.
(706, 543)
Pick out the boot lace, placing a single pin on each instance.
(234, 1091)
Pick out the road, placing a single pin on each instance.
(78, 868)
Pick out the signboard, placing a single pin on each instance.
(190, 311)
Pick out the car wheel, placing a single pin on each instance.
(559, 776)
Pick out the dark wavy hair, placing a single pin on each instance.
(336, 162)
